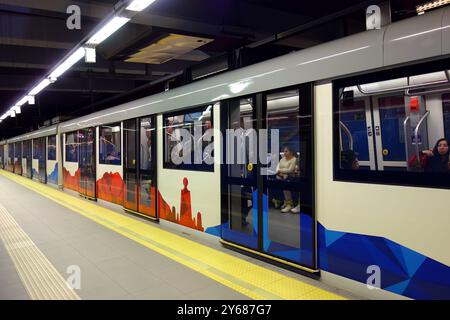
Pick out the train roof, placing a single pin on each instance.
(419, 38)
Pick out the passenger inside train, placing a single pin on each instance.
(438, 159)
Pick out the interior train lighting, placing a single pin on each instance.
(139, 5)
(107, 30)
(68, 63)
(431, 5)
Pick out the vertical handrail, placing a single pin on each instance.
(416, 133)
(405, 132)
(348, 133)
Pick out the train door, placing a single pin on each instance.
(27, 158)
(267, 178)
(41, 155)
(87, 183)
(140, 166)
(18, 158)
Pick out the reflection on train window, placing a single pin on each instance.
(395, 125)
(242, 148)
(188, 140)
(446, 114)
(71, 147)
(36, 148)
(283, 187)
(147, 130)
(51, 148)
(110, 142)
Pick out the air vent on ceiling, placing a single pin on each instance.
(171, 47)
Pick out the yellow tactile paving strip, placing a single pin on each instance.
(40, 278)
(245, 277)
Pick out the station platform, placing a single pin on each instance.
(50, 238)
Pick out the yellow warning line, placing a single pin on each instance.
(39, 277)
(240, 275)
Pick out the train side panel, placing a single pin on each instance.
(401, 230)
(190, 198)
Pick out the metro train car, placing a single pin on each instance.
(365, 118)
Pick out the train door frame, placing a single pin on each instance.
(304, 90)
(137, 171)
(93, 162)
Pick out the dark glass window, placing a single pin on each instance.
(446, 114)
(71, 147)
(51, 148)
(110, 143)
(394, 128)
(188, 140)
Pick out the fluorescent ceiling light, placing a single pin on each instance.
(68, 63)
(108, 29)
(12, 114)
(431, 5)
(41, 86)
(139, 5)
(22, 101)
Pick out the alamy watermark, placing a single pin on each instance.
(242, 147)
(74, 279)
(73, 22)
(374, 279)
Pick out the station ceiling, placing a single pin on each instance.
(34, 37)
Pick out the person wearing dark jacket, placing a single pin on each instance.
(438, 159)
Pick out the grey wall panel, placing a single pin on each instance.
(446, 32)
(414, 39)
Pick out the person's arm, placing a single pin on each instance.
(290, 168)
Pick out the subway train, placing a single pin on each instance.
(362, 121)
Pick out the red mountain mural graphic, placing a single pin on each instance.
(71, 182)
(185, 216)
(110, 188)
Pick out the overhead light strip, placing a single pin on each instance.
(109, 28)
(139, 5)
(431, 5)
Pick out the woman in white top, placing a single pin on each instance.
(286, 167)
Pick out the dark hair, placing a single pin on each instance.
(289, 148)
(435, 149)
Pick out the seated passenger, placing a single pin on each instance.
(285, 168)
(438, 159)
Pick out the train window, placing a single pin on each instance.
(393, 130)
(446, 113)
(110, 143)
(71, 147)
(51, 148)
(188, 139)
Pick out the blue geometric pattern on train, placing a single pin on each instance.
(403, 271)
(53, 177)
(303, 254)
